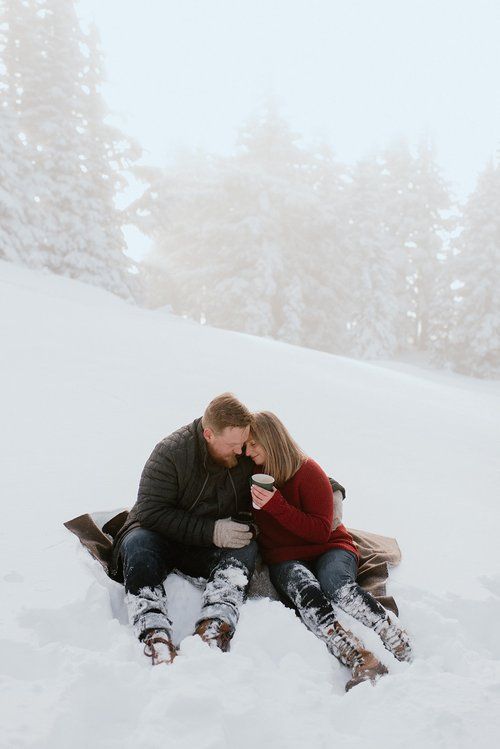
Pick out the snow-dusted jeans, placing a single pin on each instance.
(313, 586)
(148, 558)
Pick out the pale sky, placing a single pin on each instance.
(358, 73)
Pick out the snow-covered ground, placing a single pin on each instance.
(88, 385)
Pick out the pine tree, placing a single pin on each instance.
(105, 155)
(473, 337)
(16, 170)
(274, 172)
(55, 70)
(237, 240)
(372, 260)
(418, 202)
(16, 234)
(325, 273)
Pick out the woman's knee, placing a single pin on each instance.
(281, 573)
(336, 569)
(299, 585)
(295, 580)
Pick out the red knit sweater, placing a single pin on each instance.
(297, 522)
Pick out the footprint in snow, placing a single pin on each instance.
(13, 577)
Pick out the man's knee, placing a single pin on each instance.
(144, 558)
(247, 557)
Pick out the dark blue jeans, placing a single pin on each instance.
(331, 571)
(312, 586)
(148, 558)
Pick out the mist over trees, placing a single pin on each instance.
(280, 239)
(468, 323)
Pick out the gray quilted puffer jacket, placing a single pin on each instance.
(182, 492)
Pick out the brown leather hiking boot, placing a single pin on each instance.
(396, 641)
(159, 647)
(215, 633)
(363, 607)
(350, 651)
(366, 668)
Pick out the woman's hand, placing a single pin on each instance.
(260, 496)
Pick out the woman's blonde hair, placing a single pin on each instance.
(283, 456)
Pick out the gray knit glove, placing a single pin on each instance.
(231, 535)
(337, 509)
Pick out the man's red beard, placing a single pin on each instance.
(229, 462)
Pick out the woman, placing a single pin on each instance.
(311, 565)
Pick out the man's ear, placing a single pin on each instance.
(208, 434)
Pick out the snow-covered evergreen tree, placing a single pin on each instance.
(238, 241)
(326, 282)
(16, 234)
(280, 240)
(418, 203)
(373, 264)
(283, 198)
(471, 339)
(16, 237)
(54, 69)
(206, 263)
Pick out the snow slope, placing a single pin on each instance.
(88, 385)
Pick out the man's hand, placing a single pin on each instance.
(231, 535)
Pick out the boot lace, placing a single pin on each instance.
(215, 632)
(345, 646)
(396, 641)
(158, 647)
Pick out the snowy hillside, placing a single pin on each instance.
(88, 384)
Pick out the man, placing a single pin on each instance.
(194, 482)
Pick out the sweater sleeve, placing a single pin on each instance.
(157, 504)
(313, 521)
(337, 487)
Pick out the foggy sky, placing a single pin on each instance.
(358, 73)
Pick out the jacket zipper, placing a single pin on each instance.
(234, 490)
(204, 485)
(199, 495)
